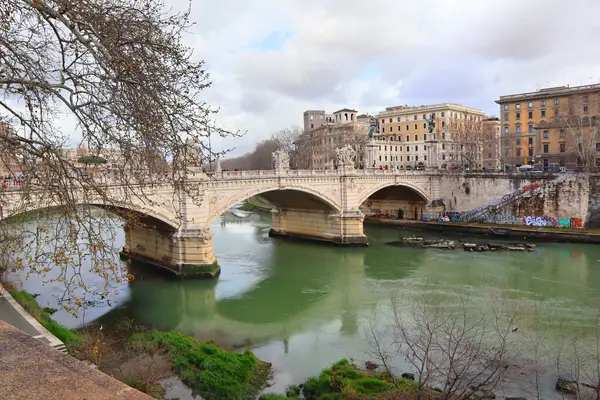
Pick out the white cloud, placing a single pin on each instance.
(320, 54)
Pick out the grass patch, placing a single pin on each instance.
(42, 315)
(205, 368)
(247, 207)
(344, 380)
(153, 390)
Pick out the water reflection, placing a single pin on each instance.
(303, 305)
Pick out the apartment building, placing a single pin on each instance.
(552, 127)
(324, 133)
(403, 136)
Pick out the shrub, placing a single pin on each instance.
(208, 370)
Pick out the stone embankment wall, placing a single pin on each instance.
(570, 201)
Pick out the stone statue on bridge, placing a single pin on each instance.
(345, 156)
(281, 160)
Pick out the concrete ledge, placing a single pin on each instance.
(43, 334)
(498, 231)
(31, 370)
(350, 241)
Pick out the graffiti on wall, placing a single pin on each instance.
(456, 216)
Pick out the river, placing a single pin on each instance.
(304, 305)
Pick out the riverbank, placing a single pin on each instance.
(255, 204)
(546, 234)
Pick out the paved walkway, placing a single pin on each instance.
(12, 313)
(32, 370)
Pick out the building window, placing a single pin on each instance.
(407, 127)
(391, 128)
(416, 158)
(546, 135)
(400, 158)
(424, 125)
(425, 158)
(416, 138)
(443, 135)
(443, 114)
(408, 138)
(379, 148)
(416, 148)
(530, 104)
(489, 155)
(312, 125)
(400, 148)
(545, 147)
(425, 148)
(563, 147)
(517, 106)
(530, 140)
(443, 156)
(390, 120)
(379, 158)
(506, 116)
(518, 141)
(518, 153)
(518, 128)
(543, 103)
(585, 109)
(424, 136)
(530, 128)
(385, 158)
(506, 130)
(530, 114)
(407, 158)
(530, 152)
(424, 116)
(518, 116)
(383, 121)
(597, 146)
(384, 148)
(398, 119)
(561, 134)
(543, 113)
(398, 128)
(506, 107)
(556, 112)
(443, 124)
(443, 146)
(395, 148)
(555, 102)
(415, 117)
(416, 127)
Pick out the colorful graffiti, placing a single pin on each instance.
(385, 213)
(455, 216)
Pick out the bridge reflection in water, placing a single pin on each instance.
(289, 286)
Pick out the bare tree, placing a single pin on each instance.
(289, 140)
(115, 76)
(578, 125)
(465, 142)
(459, 349)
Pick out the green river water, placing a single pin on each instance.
(303, 305)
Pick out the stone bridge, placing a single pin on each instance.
(319, 205)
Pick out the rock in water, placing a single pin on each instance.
(566, 386)
(409, 375)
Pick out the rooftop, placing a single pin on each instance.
(346, 109)
(548, 92)
(406, 109)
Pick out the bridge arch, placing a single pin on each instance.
(365, 196)
(324, 198)
(152, 213)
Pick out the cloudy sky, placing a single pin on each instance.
(272, 59)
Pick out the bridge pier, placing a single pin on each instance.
(187, 253)
(339, 228)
